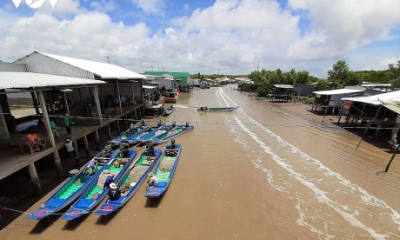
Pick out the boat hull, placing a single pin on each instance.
(129, 178)
(164, 170)
(168, 111)
(95, 193)
(68, 192)
(218, 109)
(165, 137)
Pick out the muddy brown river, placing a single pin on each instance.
(264, 171)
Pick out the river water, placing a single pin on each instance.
(264, 171)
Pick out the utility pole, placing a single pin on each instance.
(258, 65)
(151, 68)
(108, 59)
(218, 71)
(158, 66)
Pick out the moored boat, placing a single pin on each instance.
(169, 110)
(95, 192)
(217, 109)
(72, 188)
(171, 96)
(165, 169)
(173, 133)
(130, 134)
(156, 132)
(131, 180)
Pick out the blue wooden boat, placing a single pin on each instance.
(165, 169)
(177, 131)
(71, 189)
(156, 132)
(131, 180)
(169, 110)
(95, 193)
(217, 109)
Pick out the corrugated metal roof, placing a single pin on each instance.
(174, 74)
(376, 99)
(104, 70)
(339, 91)
(283, 86)
(28, 79)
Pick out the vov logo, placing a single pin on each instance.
(34, 3)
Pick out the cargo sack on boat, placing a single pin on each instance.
(103, 176)
(136, 173)
(166, 166)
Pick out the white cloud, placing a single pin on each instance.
(150, 6)
(340, 26)
(186, 7)
(232, 36)
(90, 35)
(104, 6)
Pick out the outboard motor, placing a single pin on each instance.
(150, 149)
(124, 148)
(173, 123)
(142, 122)
(159, 122)
(187, 124)
(173, 143)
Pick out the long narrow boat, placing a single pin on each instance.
(173, 133)
(171, 96)
(156, 132)
(169, 110)
(128, 133)
(131, 181)
(71, 189)
(217, 109)
(164, 170)
(95, 193)
(131, 134)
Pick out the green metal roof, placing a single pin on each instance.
(174, 74)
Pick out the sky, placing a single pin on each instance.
(226, 37)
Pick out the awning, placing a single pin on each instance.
(339, 91)
(25, 80)
(148, 87)
(378, 99)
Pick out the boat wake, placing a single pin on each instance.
(327, 203)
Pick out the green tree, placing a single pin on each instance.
(338, 75)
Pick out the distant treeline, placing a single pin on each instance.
(338, 77)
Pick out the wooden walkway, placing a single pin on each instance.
(13, 159)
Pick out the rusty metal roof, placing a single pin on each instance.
(24, 80)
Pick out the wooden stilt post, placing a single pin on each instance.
(86, 146)
(56, 157)
(3, 217)
(369, 125)
(391, 160)
(34, 178)
(118, 127)
(125, 122)
(97, 140)
(109, 132)
(35, 103)
(77, 161)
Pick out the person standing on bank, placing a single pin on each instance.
(67, 123)
(72, 153)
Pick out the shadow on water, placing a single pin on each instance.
(105, 219)
(153, 202)
(71, 225)
(44, 223)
